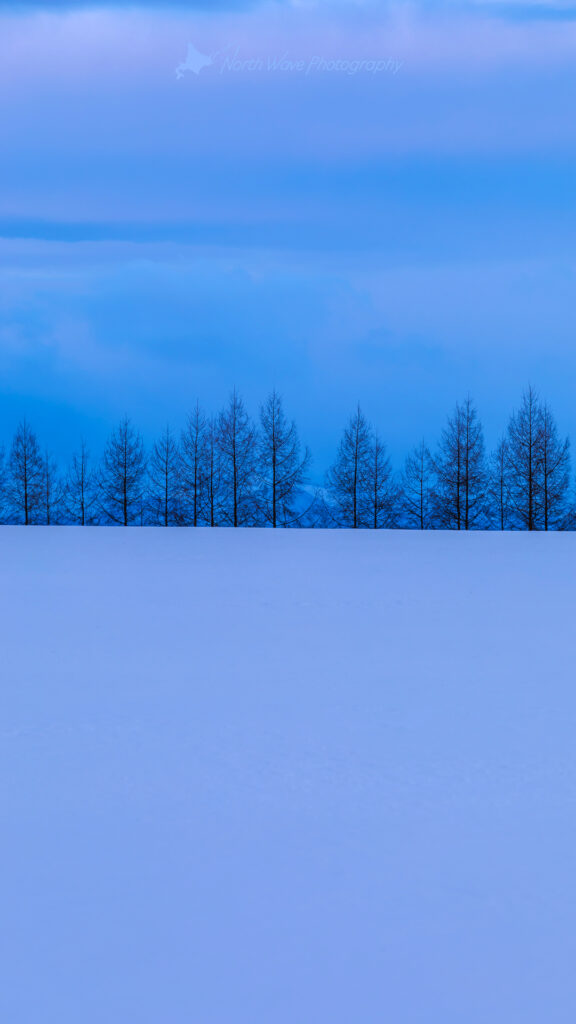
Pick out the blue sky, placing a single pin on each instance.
(400, 237)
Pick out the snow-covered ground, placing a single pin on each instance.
(288, 778)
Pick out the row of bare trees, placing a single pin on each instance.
(524, 484)
(220, 471)
(229, 471)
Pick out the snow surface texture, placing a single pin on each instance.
(289, 778)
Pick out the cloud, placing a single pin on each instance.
(394, 239)
(524, 10)
(25, 6)
(90, 331)
(516, 9)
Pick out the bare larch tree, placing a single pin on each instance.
(52, 491)
(212, 478)
(4, 509)
(459, 495)
(122, 475)
(416, 489)
(236, 441)
(555, 474)
(164, 490)
(282, 466)
(382, 505)
(500, 510)
(525, 443)
(25, 477)
(193, 447)
(348, 479)
(80, 489)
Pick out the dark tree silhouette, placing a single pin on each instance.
(236, 441)
(282, 466)
(525, 440)
(383, 504)
(80, 489)
(212, 477)
(52, 491)
(459, 496)
(500, 512)
(121, 477)
(222, 471)
(348, 479)
(4, 508)
(416, 489)
(555, 474)
(164, 490)
(193, 446)
(25, 477)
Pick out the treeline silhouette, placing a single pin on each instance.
(228, 470)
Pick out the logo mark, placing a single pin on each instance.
(195, 62)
